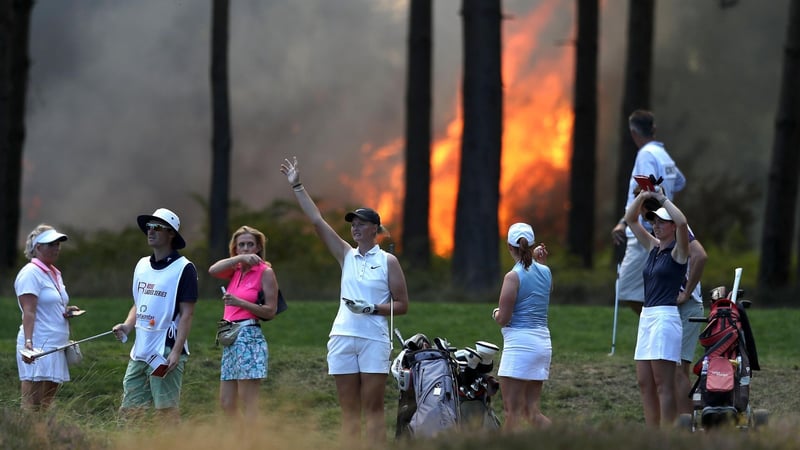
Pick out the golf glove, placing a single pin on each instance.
(360, 306)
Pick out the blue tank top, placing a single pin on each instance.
(663, 277)
(533, 296)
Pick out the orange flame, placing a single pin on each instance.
(537, 129)
(384, 164)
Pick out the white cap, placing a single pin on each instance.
(660, 212)
(520, 230)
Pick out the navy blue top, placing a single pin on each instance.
(663, 277)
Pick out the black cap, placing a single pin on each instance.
(367, 214)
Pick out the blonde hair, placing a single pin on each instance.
(29, 247)
(261, 240)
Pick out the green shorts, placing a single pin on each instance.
(141, 390)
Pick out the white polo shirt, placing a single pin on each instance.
(364, 277)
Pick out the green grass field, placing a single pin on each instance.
(592, 397)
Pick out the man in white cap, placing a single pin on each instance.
(651, 159)
(164, 294)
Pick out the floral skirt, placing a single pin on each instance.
(247, 358)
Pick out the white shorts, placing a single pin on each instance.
(691, 330)
(349, 354)
(526, 353)
(631, 281)
(659, 334)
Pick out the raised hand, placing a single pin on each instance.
(291, 170)
(540, 254)
(248, 260)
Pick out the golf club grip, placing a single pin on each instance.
(737, 277)
(91, 337)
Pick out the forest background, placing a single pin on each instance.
(118, 115)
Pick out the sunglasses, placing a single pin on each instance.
(157, 226)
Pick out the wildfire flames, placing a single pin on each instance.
(537, 128)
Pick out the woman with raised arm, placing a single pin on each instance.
(373, 286)
(658, 343)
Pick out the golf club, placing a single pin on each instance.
(391, 322)
(33, 355)
(737, 277)
(391, 307)
(399, 336)
(616, 311)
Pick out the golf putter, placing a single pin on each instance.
(33, 355)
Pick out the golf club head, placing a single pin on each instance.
(417, 342)
(473, 357)
(74, 313)
(29, 355)
(443, 345)
(486, 350)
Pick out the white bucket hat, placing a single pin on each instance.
(170, 218)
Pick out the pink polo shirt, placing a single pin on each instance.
(245, 286)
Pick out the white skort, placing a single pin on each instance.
(659, 334)
(526, 353)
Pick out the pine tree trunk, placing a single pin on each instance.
(221, 141)
(416, 205)
(779, 215)
(638, 69)
(580, 236)
(475, 256)
(15, 17)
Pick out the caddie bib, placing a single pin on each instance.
(155, 293)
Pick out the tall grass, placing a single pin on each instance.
(591, 397)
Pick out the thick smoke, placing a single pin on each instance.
(119, 121)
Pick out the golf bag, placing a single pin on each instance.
(721, 393)
(476, 386)
(442, 388)
(426, 377)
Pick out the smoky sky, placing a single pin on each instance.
(119, 121)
